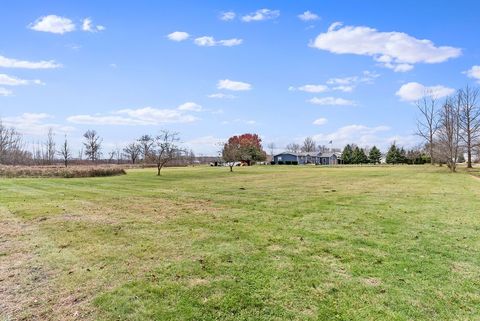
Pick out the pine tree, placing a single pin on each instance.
(394, 155)
(359, 156)
(375, 155)
(347, 154)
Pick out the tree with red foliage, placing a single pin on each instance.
(246, 148)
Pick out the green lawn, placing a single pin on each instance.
(262, 243)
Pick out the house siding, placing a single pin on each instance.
(302, 159)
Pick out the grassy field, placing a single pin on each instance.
(262, 243)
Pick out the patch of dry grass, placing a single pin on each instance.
(60, 171)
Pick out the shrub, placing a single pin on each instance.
(294, 162)
(288, 163)
(60, 171)
(280, 162)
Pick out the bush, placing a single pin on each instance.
(288, 163)
(60, 171)
(272, 163)
(280, 162)
(294, 162)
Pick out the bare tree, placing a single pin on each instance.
(133, 151)
(449, 132)
(146, 143)
(11, 146)
(165, 149)
(428, 122)
(309, 145)
(65, 152)
(191, 157)
(49, 155)
(293, 147)
(469, 120)
(93, 145)
(271, 146)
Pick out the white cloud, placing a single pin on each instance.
(233, 85)
(206, 145)
(473, 72)
(310, 88)
(87, 25)
(413, 91)
(14, 63)
(53, 24)
(320, 121)
(227, 16)
(141, 116)
(358, 134)
(178, 36)
(191, 106)
(7, 80)
(5, 92)
(344, 84)
(35, 124)
(395, 50)
(221, 96)
(261, 14)
(331, 101)
(208, 41)
(308, 16)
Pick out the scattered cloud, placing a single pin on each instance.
(7, 80)
(5, 92)
(310, 88)
(53, 24)
(308, 16)
(35, 124)
(320, 121)
(395, 50)
(227, 16)
(208, 41)
(221, 96)
(413, 91)
(87, 25)
(14, 63)
(357, 134)
(141, 116)
(209, 145)
(178, 36)
(345, 84)
(261, 14)
(331, 101)
(473, 72)
(233, 85)
(73, 46)
(191, 106)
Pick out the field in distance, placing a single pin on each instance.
(261, 243)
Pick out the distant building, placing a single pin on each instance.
(317, 158)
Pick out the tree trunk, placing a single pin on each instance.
(159, 168)
(231, 168)
(469, 150)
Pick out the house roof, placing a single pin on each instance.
(315, 154)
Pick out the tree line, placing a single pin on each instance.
(158, 149)
(450, 128)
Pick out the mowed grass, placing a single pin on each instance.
(262, 243)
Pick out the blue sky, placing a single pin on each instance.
(343, 71)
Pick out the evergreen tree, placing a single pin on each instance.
(347, 154)
(359, 156)
(375, 155)
(395, 155)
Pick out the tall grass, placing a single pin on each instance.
(60, 171)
